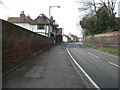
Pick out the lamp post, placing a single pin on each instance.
(49, 18)
(52, 7)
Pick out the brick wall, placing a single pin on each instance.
(110, 39)
(19, 44)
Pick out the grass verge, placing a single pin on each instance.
(111, 50)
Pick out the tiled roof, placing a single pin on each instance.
(18, 20)
(39, 20)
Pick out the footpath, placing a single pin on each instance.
(51, 69)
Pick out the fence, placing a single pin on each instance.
(19, 44)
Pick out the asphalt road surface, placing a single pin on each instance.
(101, 67)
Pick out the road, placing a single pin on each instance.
(102, 68)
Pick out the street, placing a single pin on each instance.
(60, 44)
(54, 69)
(102, 68)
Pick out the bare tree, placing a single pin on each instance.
(110, 5)
(91, 6)
(2, 3)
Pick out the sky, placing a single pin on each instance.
(67, 16)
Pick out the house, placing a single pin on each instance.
(41, 25)
(75, 38)
(22, 21)
(70, 38)
(65, 38)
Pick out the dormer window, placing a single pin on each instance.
(40, 26)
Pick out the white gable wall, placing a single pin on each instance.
(24, 25)
(40, 31)
(48, 28)
(65, 39)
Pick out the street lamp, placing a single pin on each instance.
(52, 7)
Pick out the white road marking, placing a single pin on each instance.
(106, 53)
(90, 79)
(114, 64)
(93, 55)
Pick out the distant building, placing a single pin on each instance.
(41, 25)
(70, 38)
(119, 9)
(65, 38)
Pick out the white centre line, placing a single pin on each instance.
(89, 78)
(114, 64)
(106, 53)
(93, 55)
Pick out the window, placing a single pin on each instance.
(40, 26)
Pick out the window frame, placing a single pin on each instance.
(40, 26)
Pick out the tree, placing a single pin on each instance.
(106, 19)
(102, 20)
(89, 23)
(89, 6)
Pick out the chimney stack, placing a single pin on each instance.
(22, 16)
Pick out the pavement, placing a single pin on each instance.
(51, 69)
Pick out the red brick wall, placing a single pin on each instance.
(110, 39)
(19, 44)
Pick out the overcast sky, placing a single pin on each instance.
(67, 16)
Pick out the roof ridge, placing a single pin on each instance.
(27, 19)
